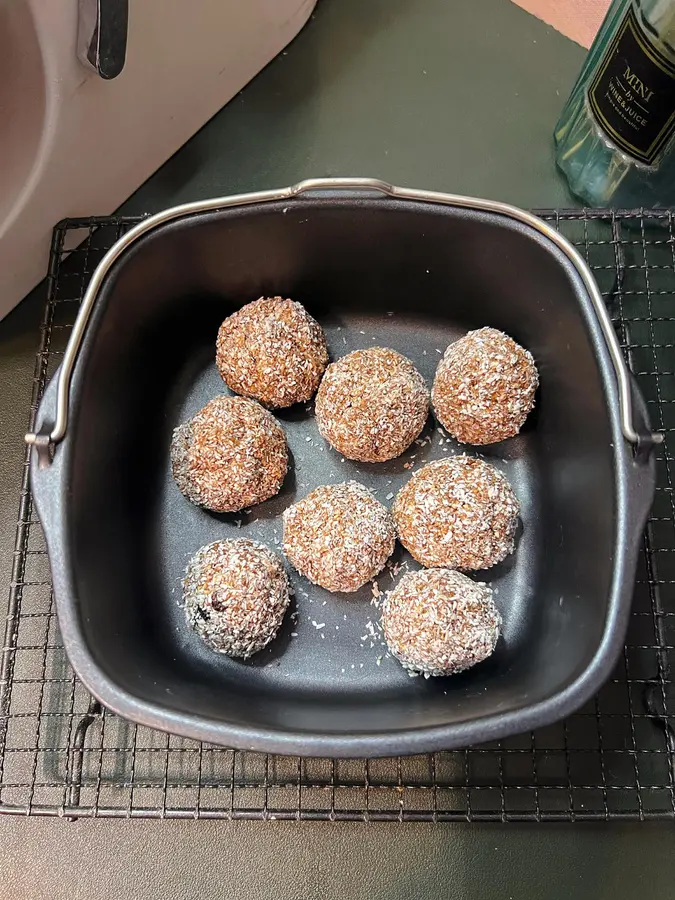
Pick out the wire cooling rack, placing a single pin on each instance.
(62, 754)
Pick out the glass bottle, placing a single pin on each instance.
(614, 139)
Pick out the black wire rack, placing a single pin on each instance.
(62, 754)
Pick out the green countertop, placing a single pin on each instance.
(435, 94)
(429, 93)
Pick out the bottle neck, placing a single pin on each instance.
(658, 20)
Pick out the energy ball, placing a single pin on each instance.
(235, 595)
(339, 536)
(484, 387)
(459, 513)
(231, 455)
(272, 350)
(372, 404)
(438, 622)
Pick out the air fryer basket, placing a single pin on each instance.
(376, 265)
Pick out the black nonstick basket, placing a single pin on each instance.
(376, 265)
(61, 752)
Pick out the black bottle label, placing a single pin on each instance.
(633, 93)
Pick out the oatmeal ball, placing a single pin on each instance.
(339, 536)
(459, 513)
(438, 622)
(235, 595)
(372, 404)
(272, 350)
(484, 387)
(231, 455)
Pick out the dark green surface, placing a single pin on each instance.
(430, 93)
(318, 861)
(440, 94)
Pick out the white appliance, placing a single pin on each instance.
(95, 95)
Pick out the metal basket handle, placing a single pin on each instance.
(50, 435)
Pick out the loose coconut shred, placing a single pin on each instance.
(229, 456)
(339, 536)
(439, 622)
(235, 594)
(272, 350)
(484, 387)
(372, 404)
(458, 512)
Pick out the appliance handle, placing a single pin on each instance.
(102, 36)
(639, 435)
